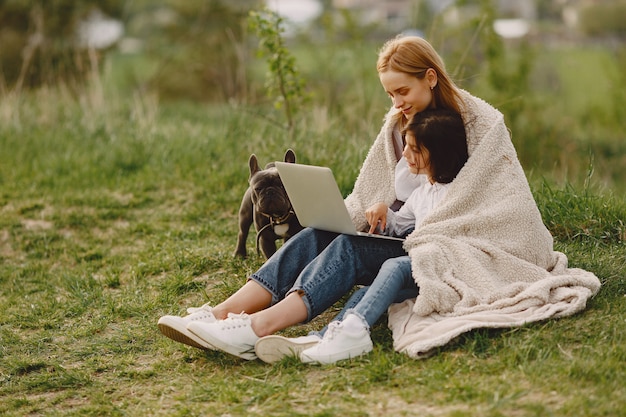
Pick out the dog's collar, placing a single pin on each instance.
(276, 220)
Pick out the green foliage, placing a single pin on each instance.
(573, 215)
(548, 10)
(604, 18)
(93, 251)
(507, 73)
(534, 86)
(192, 50)
(284, 82)
(39, 41)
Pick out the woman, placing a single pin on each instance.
(290, 287)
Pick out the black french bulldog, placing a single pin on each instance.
(267, 205)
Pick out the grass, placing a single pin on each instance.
(115, 211)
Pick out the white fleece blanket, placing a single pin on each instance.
(483, 257)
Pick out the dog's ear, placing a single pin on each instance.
(290, 156)
(253, 163)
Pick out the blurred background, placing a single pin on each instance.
(555, 68)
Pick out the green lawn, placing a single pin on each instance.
(115, 211)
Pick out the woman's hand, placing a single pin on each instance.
(376, 216)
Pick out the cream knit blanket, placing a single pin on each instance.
(483, 257)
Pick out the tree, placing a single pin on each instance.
(40, 43)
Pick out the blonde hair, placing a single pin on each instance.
(414, 56)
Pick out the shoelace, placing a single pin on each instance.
(235, 320)
(205, 307)
(199, 312)
(333, 328)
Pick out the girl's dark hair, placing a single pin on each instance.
(442, 133)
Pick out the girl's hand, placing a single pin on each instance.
(376, 216)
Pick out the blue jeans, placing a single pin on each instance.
(324, 266)
(393, 284)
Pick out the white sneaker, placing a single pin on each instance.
(175, 327)
(273, 348)
(233, 335)
(342, 340)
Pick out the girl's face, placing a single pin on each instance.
(408, 93)
(417, 157)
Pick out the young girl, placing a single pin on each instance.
(435, 147)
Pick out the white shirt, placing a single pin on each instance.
(423, 199)
(406, 182)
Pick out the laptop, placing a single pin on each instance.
(317, 200)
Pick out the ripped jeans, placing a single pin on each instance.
(393, 284)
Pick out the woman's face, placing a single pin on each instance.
(407, 92)
(417, 157)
